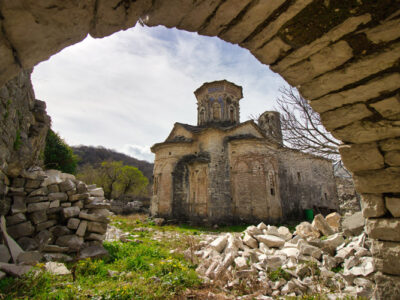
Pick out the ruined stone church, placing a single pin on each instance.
(225, 171)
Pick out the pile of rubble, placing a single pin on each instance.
(50, 216)
(316, 259)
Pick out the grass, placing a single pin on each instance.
(143, 270)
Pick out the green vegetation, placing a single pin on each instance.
(143, 269)
(17, 141)
(116, 179)
(58, 155)
(279, 273)
(6, 110)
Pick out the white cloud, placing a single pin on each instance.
(138, 151)
(130, 88)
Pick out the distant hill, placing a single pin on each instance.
(95, 155)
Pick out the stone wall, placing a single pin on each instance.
(54, 213)
(23, 125)
(343, 56)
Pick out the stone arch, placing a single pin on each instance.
(347, 67)
(216, 111)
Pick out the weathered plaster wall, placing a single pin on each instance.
(310, 184)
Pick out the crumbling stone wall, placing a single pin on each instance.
(23, 126)
(54, 213)
(343, 56)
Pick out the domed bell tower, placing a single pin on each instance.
(218, 103)
(270, 123)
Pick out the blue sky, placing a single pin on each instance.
(126, 91)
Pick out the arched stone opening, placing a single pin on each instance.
(345, 61)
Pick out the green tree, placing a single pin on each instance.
(116, 179)
(58, 155)
(131, 181)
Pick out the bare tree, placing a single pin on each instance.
(302, 128)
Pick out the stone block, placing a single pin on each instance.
(15, 219)
(15, 270)
(392, 158)
(386, 32)
(97, 227)
(73, 223)
(77, 197)
(37, 199)
(388, 255)
(18, 205)
(319, 63)
(273, 27)
(4, 254)
(390, 144)
(393, 206)
(45, 225)
(60, 230)
(384, 229)
(322, 225)
(97, 192)
(345, 115)
(71, 192)
(387, 287)
(55, 268)
(307, 231)
(39, 192)
(270, 52)
(349, 25)
(53, 211)
(53, 188)
(253, 17)
(81, 187)
(78, 203)
(69, 212)
(333, 220)
(98, 205)
(353, 225)
(373, 205)
(93, 217)
(54, 204)
(66, 204)
(32, 184)
(58, 196)
(82, 228)
(354, 72)
(95, 237)
(93, 252)
(66, 185)
(55, 249)
(378, 181)
(38, 217)
(44, 237)
(240, 263)
(250, 241)
(309, 250)
(18, 182)
(332, 242)
(29, 258)
(73, 242)
(32, 207)
(27, 243)
(20, 230)
(387, 107)
(270, 240)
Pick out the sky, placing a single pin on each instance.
(125, 92)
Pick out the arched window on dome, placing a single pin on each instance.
(216, 107)
(232, 113)
(202, 116)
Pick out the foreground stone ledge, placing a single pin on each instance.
(354, 72)
(393, 206)
(388, 287)
(360, 157)
(384, 229)
(378, 181)
(345, 115)
(373, 205)
(367, 131)
(388, 256)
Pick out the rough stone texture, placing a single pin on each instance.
(322, 225)
(393, 206)
(57, 268)
(388, 287)
(15, 219)
(333, 220)
(378, 181)
(384, 229)
(388, 255)
(373, 205)
(32, 207)
(73, 242)
(360, 157)
(4, 254)
(70, 212)
(392, 158)
(97, 227)
(24, 124)
(353, 225)
(22, 229)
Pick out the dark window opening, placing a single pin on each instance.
(326, 196)
(170, 153)
(298, 176)
(272, 192)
